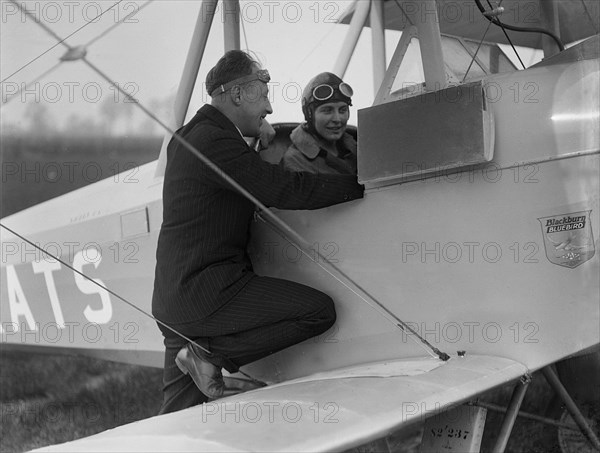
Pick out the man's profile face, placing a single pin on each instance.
(255, 106)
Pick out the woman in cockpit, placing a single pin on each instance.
(321, 144)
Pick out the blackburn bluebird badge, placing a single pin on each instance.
(568, 238)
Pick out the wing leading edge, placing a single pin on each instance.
(327, 411)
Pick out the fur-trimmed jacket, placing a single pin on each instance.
(306, 154)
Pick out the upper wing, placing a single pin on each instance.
(577, 19)
(323, 412)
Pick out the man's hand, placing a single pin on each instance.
(267, 134)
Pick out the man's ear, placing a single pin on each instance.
(236, 94)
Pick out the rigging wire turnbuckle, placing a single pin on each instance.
(525, 379)
(74, 53)
(495, 12)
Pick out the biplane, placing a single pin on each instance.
(469, 264)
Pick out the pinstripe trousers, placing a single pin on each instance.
(266, 316)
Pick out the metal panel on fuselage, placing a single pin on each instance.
(462, 256)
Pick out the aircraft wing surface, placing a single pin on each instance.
(577, 19)
(323, 412)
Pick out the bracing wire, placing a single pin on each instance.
(587, 11)
(284, 229)
(404, 12)
(118, 296)
(51, 33)
(30, 62)
(116, 24)
(503, 27)
(132, 305)
(290, 233)
(85, 46)
(28, 84)
(315, 47)
(477, 51)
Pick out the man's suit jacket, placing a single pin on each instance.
(201, 257)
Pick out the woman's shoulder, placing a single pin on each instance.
(294, 160)
(304, 142)
(349, 143)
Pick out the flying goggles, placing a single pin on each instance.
(261, 74)
(325, 91)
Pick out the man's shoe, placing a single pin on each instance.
(206, 376)
(242, 385)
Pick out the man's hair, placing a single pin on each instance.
(233, 65)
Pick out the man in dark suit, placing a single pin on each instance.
(205, 288)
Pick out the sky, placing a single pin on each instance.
(145, 54)
(142, 45)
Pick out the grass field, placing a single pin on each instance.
(39, 168)
(50, 399)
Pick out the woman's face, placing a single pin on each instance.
(331, 120)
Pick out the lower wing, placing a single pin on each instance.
(328, 411)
